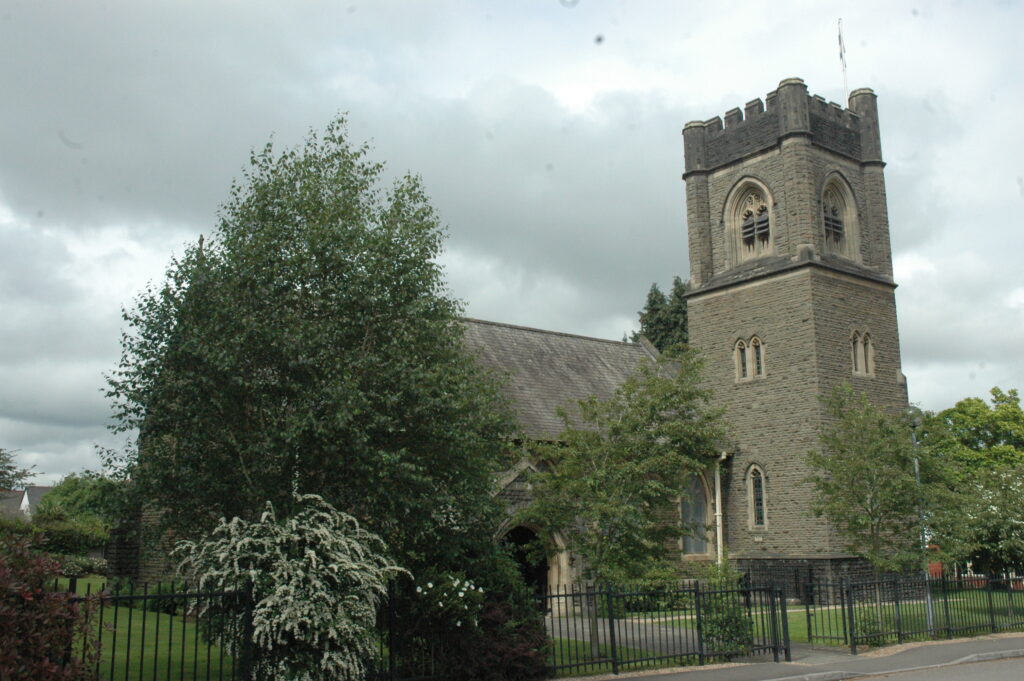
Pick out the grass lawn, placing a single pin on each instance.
(572, 651)
(138, 644)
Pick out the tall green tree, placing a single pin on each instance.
(611, 485)
(984, 444)
(311, 344)
(87, 494)
(664, 321)
(11, 476)
(865, 483)
(978, 435)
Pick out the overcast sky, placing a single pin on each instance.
(546, 131)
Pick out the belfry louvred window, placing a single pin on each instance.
(755, 229)
(833, 216)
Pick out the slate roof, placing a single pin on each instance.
(547, 369)
(35, 495)
(10, 503)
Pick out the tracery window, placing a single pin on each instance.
(834, 207)
(747, 219)
(756, 497)
(839, 219)
(755, 230)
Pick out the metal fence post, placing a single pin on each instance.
(991, 606)
(773, 618)
(700, 623)
(611, 629)
(785, 625)
(810, 597)
(390, 611)
(245, 662)
(842, 610)
(945, 605)
(897, 586)
(852, 626)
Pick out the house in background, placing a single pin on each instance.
(21, 504)
(10, 503)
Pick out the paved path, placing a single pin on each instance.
(815, 664)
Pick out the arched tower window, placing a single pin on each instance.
(869, 355)
(757, 352)
(856, 352)
(757, 498)
(740, 352)
(834, 213)
(862, 353)
(693, 510)
(839, 219)
(755, 230)
(748, 222)
(749, 358)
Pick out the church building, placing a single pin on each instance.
(792, 294)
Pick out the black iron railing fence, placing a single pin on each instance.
(166, 631)
(895, 609)
(611, 629)
(172, 632)
(600, 629)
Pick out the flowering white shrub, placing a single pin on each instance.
(453, 599)
(316, 578)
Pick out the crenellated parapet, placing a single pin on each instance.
(785, 112)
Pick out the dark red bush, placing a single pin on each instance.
(44, 632)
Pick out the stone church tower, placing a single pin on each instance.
(792, 295)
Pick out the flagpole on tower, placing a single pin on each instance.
(842, 58)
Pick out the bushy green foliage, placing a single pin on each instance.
(316, 578)
(39, 626)
(984, 446)
(727, 627)
(463, 631)
(618, 471)
(87, 494)
(312, 340)
(979, 436)
(67, 534)
(80, 566)
(864, 481)
(664, 320)
(11, 476)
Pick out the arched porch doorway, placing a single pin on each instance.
(525, 547)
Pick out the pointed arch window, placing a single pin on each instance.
(755, 229)
(758, 356)
(749, 356)
(748, 222)
(834, 207)
(840, 233)
(742, 372)
(862, 353)
(693, 510)
(856, 352)
(757, 498)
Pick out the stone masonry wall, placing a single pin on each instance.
(773, 419)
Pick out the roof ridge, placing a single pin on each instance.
(549, 332)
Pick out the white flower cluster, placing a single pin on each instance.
(316, 578)
(454, 597)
